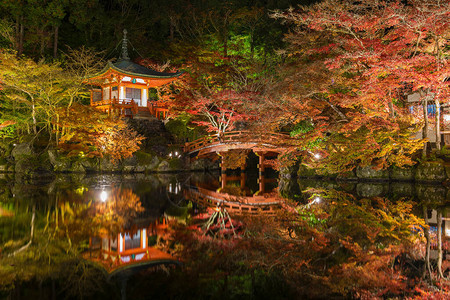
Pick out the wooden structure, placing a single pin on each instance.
(130, 248)
(415, 106)
(263, 144)
(262, 202)
(125, 88)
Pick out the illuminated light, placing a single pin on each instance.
(447, 232)
(170, 154)
(317, 156)
(176, 153)
(216, 208)
(317, 200)
(140, 80)
(447, 118)
(103, 196)
(126, 78)
(144, 236)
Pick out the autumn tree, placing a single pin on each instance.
(87, 131)
(365, 52)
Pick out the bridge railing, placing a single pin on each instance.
(234, 136)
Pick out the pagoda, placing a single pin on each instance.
(126, 88)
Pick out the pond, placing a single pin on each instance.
(223, 236)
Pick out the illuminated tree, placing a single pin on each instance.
(87, 131)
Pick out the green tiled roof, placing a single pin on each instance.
(130, 68)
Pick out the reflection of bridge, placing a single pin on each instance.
(263, 144)
(264, 201)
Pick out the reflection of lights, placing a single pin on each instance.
(103, 196)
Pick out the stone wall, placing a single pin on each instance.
(425, 172)
(24, 161)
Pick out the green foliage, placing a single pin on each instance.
(301, 127)
(181, 128)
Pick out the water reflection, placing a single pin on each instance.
(236, 193)
(233, 232)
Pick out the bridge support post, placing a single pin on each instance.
(261, 156)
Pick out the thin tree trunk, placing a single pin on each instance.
(438, 123)
(428, 245)
(439, 240)
(33, 114)
(391, 106)
(55, 42)
(21, 33)
(425, 118)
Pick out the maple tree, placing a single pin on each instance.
(87, 131)
(364, 54)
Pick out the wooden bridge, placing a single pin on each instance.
(238, 140)
(263, 144)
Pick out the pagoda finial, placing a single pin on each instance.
(124, 46)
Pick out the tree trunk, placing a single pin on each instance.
(391, 106)
(33, 115)
(428, 245)
(438, 123)
(439, 240)
(425, 118)
(21, 33)
(55, 42)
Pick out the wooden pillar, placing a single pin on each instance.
(243, 179)
(262, 183)
(223, 180)
(223, 168)
(261, 156)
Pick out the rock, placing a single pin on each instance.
(129, 164)
(430, 171)
(406, 173)
(60, 164)
(369, 173)
(305, 171)
(91, 164)
(21, 150)
(146, 161)
(106, 165)
(371, 189)
(77, 167)
(347, 176)
(289, 172)
(164, 166)
(203, 164)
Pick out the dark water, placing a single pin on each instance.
(201, 235)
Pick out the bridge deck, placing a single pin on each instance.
(262, 141)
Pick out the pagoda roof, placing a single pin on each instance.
(128, 67)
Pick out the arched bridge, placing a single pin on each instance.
(256, 141)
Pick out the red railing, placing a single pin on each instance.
(235, 136)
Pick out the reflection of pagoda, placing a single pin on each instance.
(134, 247)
